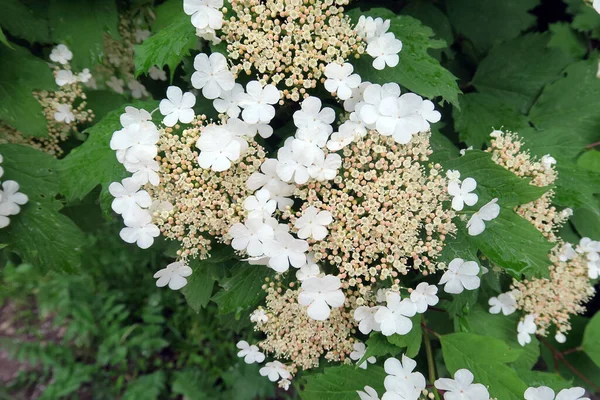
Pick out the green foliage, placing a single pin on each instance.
(24, 22)
(590, 344)
(341, 383)
(412, 340)
(242, 290)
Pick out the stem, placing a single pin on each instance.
(592, 145)
(430, 362)
(561, 357)
(573, 350)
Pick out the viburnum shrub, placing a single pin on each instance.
(378, 229)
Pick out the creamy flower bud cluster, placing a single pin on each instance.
(64, 108)
(11, 199)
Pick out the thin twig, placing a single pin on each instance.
(429, 352)
(560, 356)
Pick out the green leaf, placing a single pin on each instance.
(587, 222)
(378, 345)
(103, 101)
(516, 71)
(23, 22)
(577, 187)
(417, 70)
(94, 163)
(147, 387)
(539, 378)
(590, 160)
(412, 340)
(186, 384)
(569, 103)
(81, 26)
(341, 383)
(241, 379)
(486, 358)
(486, 23)
(567, 40)
(243, 290)
(591, 344)
(4, 40)
(433, 17)
(23, 73)
(585, 18)
(554, 141)
(480, 114)
(168, 46)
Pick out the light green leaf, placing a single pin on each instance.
(417, 70)
(486, 358)
(341, 383)
(243, 290)
(591, 343)
(590, 160)
(480, 114)
(81, 26)
(587, 222)
(486, 23)
(517, 70)
(21, 74)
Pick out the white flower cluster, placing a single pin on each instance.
(546, 393)
(206, 17)
(381, 44)
(591, 249)
(10, 199)
(62, 55)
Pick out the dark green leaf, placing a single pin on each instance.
(591, 342)
(243, 290)
(23, 22)
(539, 378)
(145, 387)
(412, 340)
(567, 40)
(341, 383)
(378, 345)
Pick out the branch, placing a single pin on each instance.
(560, 356)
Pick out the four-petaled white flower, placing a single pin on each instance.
(461, 193)
(314, 123)
(251, 353)
(251, 236)
(218, 148)
(366, 318)
(462, 387)
(205, 13)
(384, 49)
(174, 275)
(64, 114)
(128, 196)
(488, 212)
(285, 250)
(258, 102)
(460, 275)
(212, 75)
(308, 270)
(139, 229)
(319, 294)
(525, 328)
(394, 318)
(229, 101)
(401, 382)
(368, 394)
(135, 143)
(10, 201)
(259, 316)
(260, 206)
(341, 80)
(275, 370)
(505, 303)
(424, 295)
(84, 76)
(61, 54)
(157, 74)
(453, 175)
(546, 393)
(313, 223)
(177, 106)
(137, 89)
(268, 179)
(369, 28)
(359, 351)
(65, 77)
(325, 168)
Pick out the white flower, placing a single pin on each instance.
(177, 106)
(140, 229)
(141, 35)
(461, 193)
(319, 294)
(488, 212)
(368, 394)
(268, 179)
(429, 114)
(548, 161)
(65, 77)
(359, 351)
(251, 236)
(128, 196)
(464, 151)
(351, 129)
(313, 223)
(368, 108)
(284, 384)
(545, 393)
(259, 316)
(10, 200)
(251, 354)
(589, 247)
(64, 114)
(258, 102)
(208, 34)
(160, 207)
(218, 148)
(369, 28)
(366, 318)
(260, 205)
(462, 387)
(212, 75)
(144, 172)
(228, 101)
(205, 13)
(567, 252)
(341, 80)
(308, 270)
(135, 143)
(525, 328)
(314, 124)
(285, 250)
(157, 74)
(274, 370)
(400, 117)
(356, 97)
(84, 76)
(505, 303)
(560, 337)
(593, 269)
(61, 54)
(384, 49)
(137, 89)
(395, 317)
(424, 295)
(596, 5)
(460, 275)
(293, 162)
(401, 380)
(134, 116)
(116, 84)
(174, 275)
(325, 169)
(453, 175)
